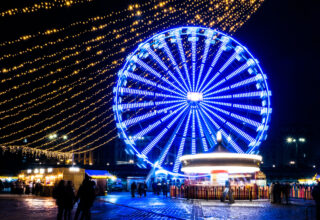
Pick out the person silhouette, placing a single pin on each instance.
(133, 188)
(69, 200)
(86, 195)
(59, 193)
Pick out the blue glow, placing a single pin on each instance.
(204, 143)
(167, 148)
(193, 140)
(149, 82)
(173, 61)
(211, 134)
(204, 57)
(193, 39)
(205, 110)
(148, 115)
(161, 63)
(151, 70)
(214, 62)
(154, 125)
(182, 143)
(183, 58)
(242, 133)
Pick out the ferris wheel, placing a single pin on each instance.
(180, 87)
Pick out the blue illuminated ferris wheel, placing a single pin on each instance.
(182, 86)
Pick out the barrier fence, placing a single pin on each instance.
(239, 192)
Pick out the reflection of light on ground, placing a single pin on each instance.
(39, 203)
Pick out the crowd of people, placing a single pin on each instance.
(66, 198)
(158, 187)
(141, 189)
(279, 191)
(20, 187)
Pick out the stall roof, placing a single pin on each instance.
(98, 174)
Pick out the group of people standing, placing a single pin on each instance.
(278, 192)
(158, 187)
(66, 198)
(141, 189)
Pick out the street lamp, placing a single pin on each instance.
(295, 140)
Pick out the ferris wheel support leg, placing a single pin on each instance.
(150, 174)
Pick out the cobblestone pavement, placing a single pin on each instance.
(122, 206)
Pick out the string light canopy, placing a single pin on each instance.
(59, 80)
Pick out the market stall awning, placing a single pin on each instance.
(99, 174)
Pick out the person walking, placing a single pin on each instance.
(58, 193)
(165, 188)
(133, 188)
(69, 200)
(271, 192)
(287, 192)
(316, 196)
(144, 189)
(86, 195)
(277, 193)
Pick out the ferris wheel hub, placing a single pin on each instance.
(195, 96)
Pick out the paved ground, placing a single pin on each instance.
(122, 206)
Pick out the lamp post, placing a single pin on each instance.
(294, 140)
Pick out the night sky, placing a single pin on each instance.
(283, 35)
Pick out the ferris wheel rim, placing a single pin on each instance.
(130, 56)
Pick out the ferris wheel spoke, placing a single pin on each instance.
(148, 148)
(149, 82)
(135, 105)
(209, 133)
(209, 35)
(151, 70)
(140, 118)
(242, 83)
(235, 129)
(253, 123)
(204, 143)
(231, 142)
(173, 61)
(162, 64)
(193, 40)
(257, 94)
(238, 50)
(146, 93)
(183, 58)
(205, 110)
(193, 134)
(157, 123)
(181, 146)
(214, 61)
(169, 144)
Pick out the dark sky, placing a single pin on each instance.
(283, 35)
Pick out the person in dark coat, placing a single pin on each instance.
(286, 192)
(165, 188)
(133, 188)
(144, 189)
(316, 196)
(58, 193)
(277, 193)
(86, 194)
(69, 200)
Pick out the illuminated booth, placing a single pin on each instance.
(221, 165)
